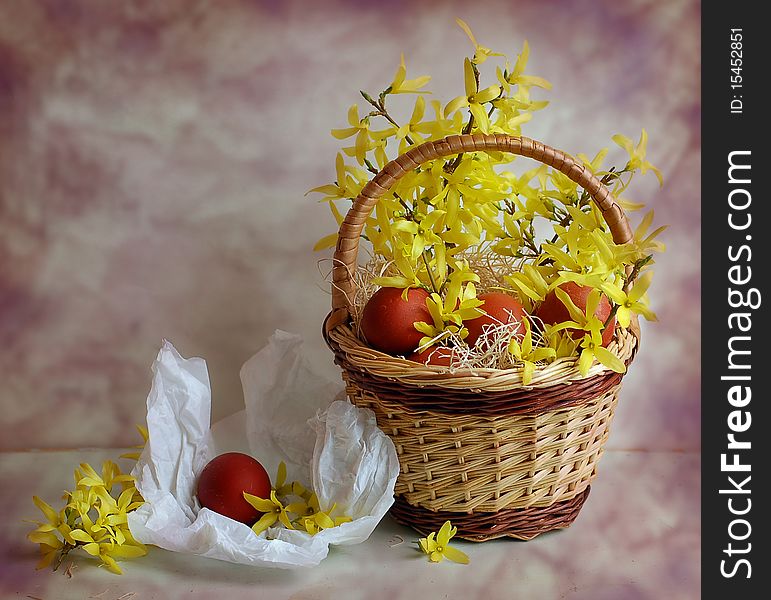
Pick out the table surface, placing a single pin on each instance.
(637, 537)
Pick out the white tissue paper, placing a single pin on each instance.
(290, 415)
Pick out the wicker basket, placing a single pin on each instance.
(477, 447)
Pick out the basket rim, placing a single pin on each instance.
(565, 370)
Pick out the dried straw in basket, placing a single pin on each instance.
(476, 446)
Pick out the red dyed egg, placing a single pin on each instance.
(552, 311)
(387, 321)
(500, 309)
(440, 356)
(223, 481)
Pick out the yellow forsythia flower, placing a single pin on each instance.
(437, 545)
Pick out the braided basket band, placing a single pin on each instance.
(349, 235)
(517, 523)
(493, 390)
(514, 401)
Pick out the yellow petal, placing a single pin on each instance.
(646, 312)
(575, 313)
(339, 220)
(80, 535)
(341, 134)
(480, 117)
(613, 292)
(445, 533)
(425, 328)
(397, 281)
(592, 302)
(265, 521)
(361, 145)
(43, 537)
(585, 361)
(524, 288)
(428, 543)
(324, 520)
(143, 432)
(469, 79)
(298, 508)
(340, 174)
(455, 104)
(111, 565)
(624, 142)
(527, 340)
(532, 80)
(91, 482)
(92, 548)
(401, 73)
(517, 121)
(47, 558)
(260, 504)
(329, 190)
(657, 173)
(419, 110)
(353, 115)
(411, 86)
(285, 520)
(522, 58)
(467, 29)
(298, 489)
(610, 360)
(487, 94)
(641, 286)
(641, 145)
(127, 551)
(528, 368)
(623, 316)
(50, 514)
(456, 555)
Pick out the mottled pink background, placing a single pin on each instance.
(154, 158)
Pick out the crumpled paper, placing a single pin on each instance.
(290, 415)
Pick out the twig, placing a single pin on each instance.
(62, 554)
(370, 167)
(449, 169)
(70, 568)
(409, 216)
(428, 270)
(379, 104)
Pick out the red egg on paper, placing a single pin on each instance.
(223, 481)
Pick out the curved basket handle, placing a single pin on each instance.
(347, 248)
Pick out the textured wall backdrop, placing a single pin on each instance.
(154, 158)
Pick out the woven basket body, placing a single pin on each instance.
(477, 447)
